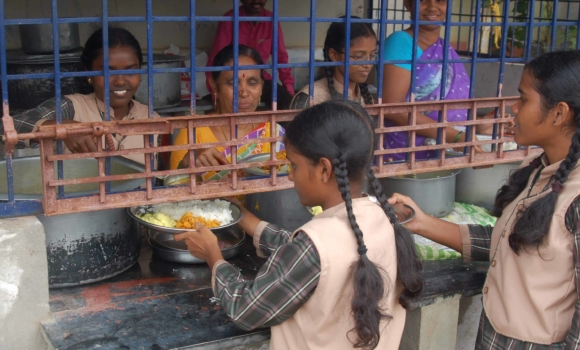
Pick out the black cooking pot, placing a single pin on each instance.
(81, 247)
(29, 93)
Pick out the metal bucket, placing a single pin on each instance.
(166, 86)
(83, 247)
(434, 192)
(282, 208)
(479, 186)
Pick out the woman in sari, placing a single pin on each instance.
(428, 78)
(250, 83)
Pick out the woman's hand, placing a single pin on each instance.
(81, 144)
(204, 158)
(210, 157)
(414, 225)
(202, 244)
(487, 129)
(76, 143)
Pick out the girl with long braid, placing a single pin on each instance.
(363, 47)
(343, 279)
(531, 295)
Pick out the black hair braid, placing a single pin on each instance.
(369, 287)
(516, 183)
(334, 95)
(408, 262)
(341, 174)
(533, 224)
(366, 95)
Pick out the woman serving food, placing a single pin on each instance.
(124, 53)
(250, 83)
(428, 79)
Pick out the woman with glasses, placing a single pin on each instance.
(363, 47)
(427, 78)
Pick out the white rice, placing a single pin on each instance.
(218, 210)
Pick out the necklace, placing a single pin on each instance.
(102, 114)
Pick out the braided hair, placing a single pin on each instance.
(556, 77)
(335, 39)
(342, 132)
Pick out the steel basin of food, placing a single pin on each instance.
(133, 212)
(434, 192)
(166, 248)
(479, 186)
(82, 247)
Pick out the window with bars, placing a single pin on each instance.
(523, 30)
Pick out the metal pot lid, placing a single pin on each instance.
(20, 57)
(162, 58)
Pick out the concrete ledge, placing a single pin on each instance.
(23, 283)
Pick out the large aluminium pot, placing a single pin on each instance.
(166, 86)
(25, 94)
(38, 38)
(479, 186)
(282, 208)
(433, 192)
(82, 247)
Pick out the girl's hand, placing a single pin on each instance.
(202, 244)
(415, 224)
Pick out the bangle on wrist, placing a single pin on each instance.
(458, 137)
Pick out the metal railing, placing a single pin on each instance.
(56, 202)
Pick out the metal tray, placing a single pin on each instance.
(172, 254)
(237, 214)
(263, 157)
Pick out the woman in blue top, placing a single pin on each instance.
(428, 78)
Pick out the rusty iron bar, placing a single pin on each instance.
(234, 185)
(214, 189)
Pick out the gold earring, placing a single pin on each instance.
(90, 80)
(215, 101)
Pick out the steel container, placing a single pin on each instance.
(282, 208)
(479, 186)
(434, 192)
(166, 248)
(24, 94)
(166, 86)
(82, 247)
(38, 38)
